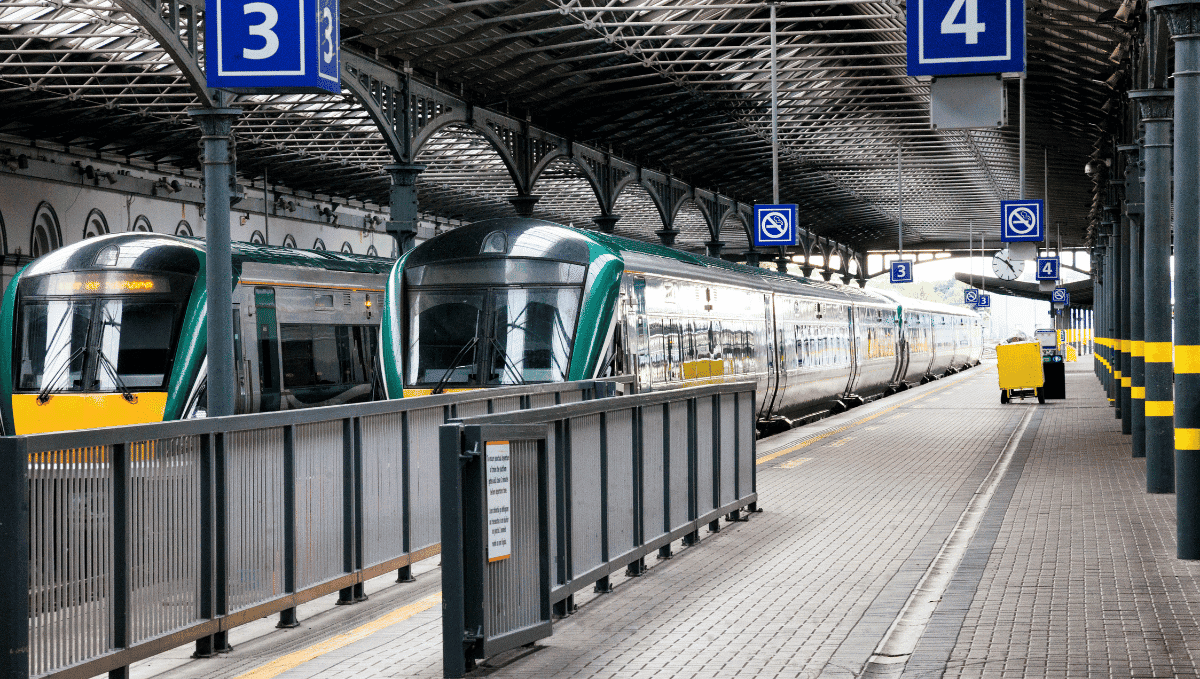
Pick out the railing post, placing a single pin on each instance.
(454, 661)
(562, 477)
(287, 617)
(405, 572)
(714, 405)
(120, 553)
(603, 586)
(664, 552)
(14, 580)
(692, 473)
(638, 567)
(213, 544)
(346, 594)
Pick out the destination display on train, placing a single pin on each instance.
(497, 459)
(102, 283)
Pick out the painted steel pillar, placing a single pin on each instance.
(1118, 251)
(402, 199)
(1132, 210)
(712, 248)
(1156, 109)
(1183, 19)
(1126, 330)
(216, 142)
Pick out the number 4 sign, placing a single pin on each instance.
(272, 46)
(902, 271)
(962, 37)
(1047, 268)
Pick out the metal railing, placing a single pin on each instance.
(143, 538)
(595, 487)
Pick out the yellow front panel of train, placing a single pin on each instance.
(63, 412)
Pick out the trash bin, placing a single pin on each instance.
(1054, 372)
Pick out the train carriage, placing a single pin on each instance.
(112, 331)
(514, 301)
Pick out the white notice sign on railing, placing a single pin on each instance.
(499, 501)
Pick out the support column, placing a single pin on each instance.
(402, 199)
(1183, 19)
(606, 223)
(781, 264)
(216, 125)
(1156, 109)
(752, 257)
(667, 236)
(1117, 250)
(1135, 350)
(524, 204)
(712, 248)
(1126, 330)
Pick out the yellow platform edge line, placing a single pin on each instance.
(295, 659)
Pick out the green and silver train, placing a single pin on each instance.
(112, 331)
(514, 301)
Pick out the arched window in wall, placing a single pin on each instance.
(47, 235)
(96, 224)
(257, 238)
(288, 241)
(318, 244)
(141, 224)
(372, 251)
(346, 248)
(183, 229)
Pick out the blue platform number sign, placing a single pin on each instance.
(902, 271)
(963, 37)
(970, 296)
(1021, 220)
(775, 225)
(985, 301)
(1047, 268)
(273, 46)
(1060, 296)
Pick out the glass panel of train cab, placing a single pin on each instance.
(97, 331)
(531, 334)
(445, 335)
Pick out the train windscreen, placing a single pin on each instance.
(98, 333)
(499, 337)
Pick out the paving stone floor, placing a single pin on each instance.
(1071, 572)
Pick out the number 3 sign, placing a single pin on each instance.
(269, 46)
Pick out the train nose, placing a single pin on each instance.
(62, 412)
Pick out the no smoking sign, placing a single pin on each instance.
(775, 225)
(1021, 220)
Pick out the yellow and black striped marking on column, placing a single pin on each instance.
(1137, 394)
(1160, 416)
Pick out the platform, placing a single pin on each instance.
(1058, 564)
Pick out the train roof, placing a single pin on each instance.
(544, 239)
(162, 253)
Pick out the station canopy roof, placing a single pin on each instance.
(678, 86)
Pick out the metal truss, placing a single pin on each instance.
(654, 111)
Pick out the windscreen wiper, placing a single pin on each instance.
(126, 392)
(508, 365)
(454, 365)
(44, 394)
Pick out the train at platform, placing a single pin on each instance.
(513, 301)
(112, 330)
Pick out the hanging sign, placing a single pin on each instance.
(775, 225)
(902, 271)
(1021, 220)
(1060, 296)
(963, 37)
(1047, 268)
(273, 46)
(985, 301)
(970, 296)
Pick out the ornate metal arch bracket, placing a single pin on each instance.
(169, 22)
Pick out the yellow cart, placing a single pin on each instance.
(1020, 368)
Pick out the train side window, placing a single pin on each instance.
(326, 364)
(658, 352)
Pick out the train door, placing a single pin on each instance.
(856, 344)
(242, 402)
(269, 368)
(637, 327)
(902, 356)
(768, 402)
